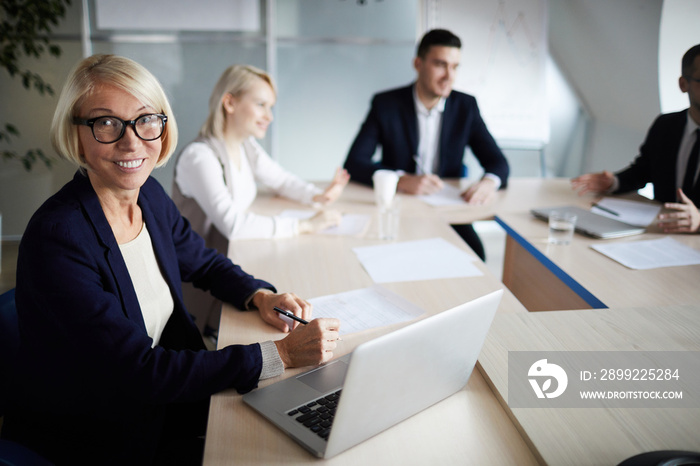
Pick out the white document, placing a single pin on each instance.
(640, 214)
(426, 259)
(350, 224)
(365, 308)
(448, 195)
(650, 254)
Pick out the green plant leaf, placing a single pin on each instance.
(25, 28)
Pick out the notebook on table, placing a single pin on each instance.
(381, 383)
(592, 224)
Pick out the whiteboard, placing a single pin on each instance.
(504, 54)
(178, 15)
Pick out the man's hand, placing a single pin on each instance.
(593, 182)
(419, 184)
(685, 219)
(481, 192)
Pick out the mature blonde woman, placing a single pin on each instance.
(216, 176)
(218, 172)
(112, 368)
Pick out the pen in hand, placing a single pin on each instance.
(291, 315)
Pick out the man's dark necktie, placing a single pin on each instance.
(691, 169)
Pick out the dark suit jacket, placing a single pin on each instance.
(393, 125)
(657, 159)
(92, 388)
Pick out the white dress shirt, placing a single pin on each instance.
(687, 143)
(429, 127)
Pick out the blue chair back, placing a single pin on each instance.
(14, 454)
(9, 343)
(11, 453)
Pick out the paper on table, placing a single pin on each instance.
(650, 254)
(350, 224)
(426, 259)
(448, 195)
(365, 308)
(636, 213)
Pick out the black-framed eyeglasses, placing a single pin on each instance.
(108, 129)
(690, 78)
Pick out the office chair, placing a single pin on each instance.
(11, 453)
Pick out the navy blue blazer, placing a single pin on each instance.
(89, 374)
(657, 160)
(392, 124)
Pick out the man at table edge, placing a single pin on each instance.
(666, 155)
(424, 129)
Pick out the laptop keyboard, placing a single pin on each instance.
(317, 415)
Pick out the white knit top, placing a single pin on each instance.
(151, 288)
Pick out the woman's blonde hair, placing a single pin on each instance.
(235, 80)
(116, 71)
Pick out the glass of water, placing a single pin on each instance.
(561, 227)
(389, 217)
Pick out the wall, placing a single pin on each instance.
(608, 52)
(22, 192)
(604, 63)
(330, 57)
(679, 32)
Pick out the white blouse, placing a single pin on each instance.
(152, 291)
(225, 192)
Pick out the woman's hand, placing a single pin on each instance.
(310, 344)
(265, 301)
(319, 222)
(685, 219)
(335, 189)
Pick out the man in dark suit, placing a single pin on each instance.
(424, 129)
(668, 158)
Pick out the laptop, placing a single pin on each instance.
(592, 224)
(381, 383)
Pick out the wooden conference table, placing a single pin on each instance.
(475, 426)
(550, 277)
